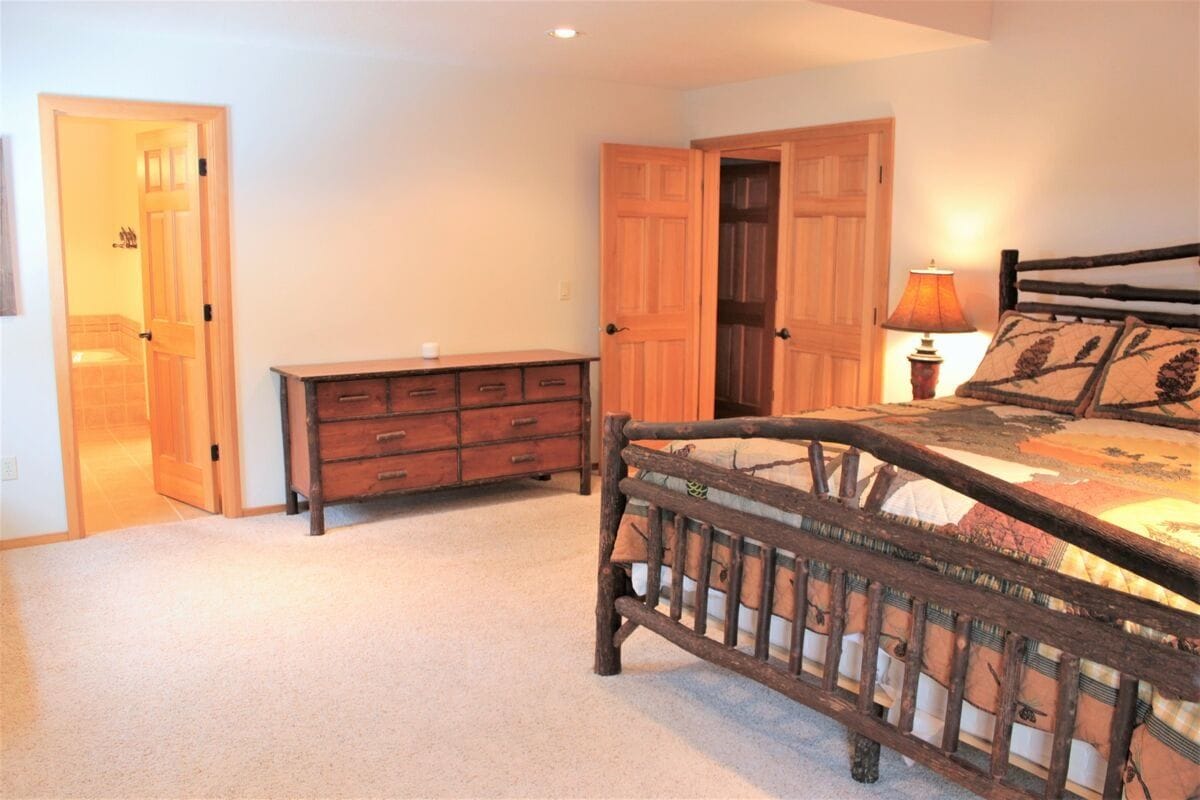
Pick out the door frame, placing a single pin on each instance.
(218, 290)
(713, 149)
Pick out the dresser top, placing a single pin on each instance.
(418, 366)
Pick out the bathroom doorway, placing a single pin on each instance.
(105, 247)
(145, 381)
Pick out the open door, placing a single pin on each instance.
(833, 273)
(173, 291)
(746, 270)
(650, 281)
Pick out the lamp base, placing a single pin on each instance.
(926, 363)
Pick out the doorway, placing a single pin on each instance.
(747, 241)
(137, 229)
(663, 310)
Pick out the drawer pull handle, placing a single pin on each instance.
(519, 421)
(492, 387)
(388, 436)
(422, 392)
(552, 382)
(523, 459)
(392, 475)
(353, 398)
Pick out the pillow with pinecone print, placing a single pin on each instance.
(1046, 364)
(1153, 376)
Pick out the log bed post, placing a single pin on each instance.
(1008, 279)
(611, 581)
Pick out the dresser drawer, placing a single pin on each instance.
(518, 458)
(388, 474)
(489, 387)
(514, 422)
(341, 399)
(543, 383)
(356, 438)
(423, 392)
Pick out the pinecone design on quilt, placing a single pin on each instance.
(1031, 361)
(1178, 376)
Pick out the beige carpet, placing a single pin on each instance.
(437, 646)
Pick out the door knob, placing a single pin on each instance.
(147, 335)
(612, 328)
(783, 333)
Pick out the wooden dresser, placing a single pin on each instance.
(367, 428)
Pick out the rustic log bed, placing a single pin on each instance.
(1096, 634)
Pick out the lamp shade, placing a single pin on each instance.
(929, 304)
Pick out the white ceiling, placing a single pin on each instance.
(670, 43)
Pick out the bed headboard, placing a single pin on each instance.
(1011, 286)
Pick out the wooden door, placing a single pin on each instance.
(746, 268)
(173, 297)
(833, 274)
(649, 281)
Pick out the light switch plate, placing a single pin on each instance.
(564, 290)
(8, 469)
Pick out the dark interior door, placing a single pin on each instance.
(749, 224)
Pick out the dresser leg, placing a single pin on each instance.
(293, 502)
(316, 490)
(585, 480)
(316, 516)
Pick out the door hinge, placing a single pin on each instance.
(215, 451)
(208, 312)
(881, 173)
(204, 168)
(874, 316)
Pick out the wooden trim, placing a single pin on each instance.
(783, 275)
(33, 541)
(772, 154)
(213, 143)
(774, 138)
(883, 251)
(710, 218)
(72, 482)
(273, 508)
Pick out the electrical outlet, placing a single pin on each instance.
(8, 469)
(564, 290)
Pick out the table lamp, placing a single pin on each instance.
(929, 305)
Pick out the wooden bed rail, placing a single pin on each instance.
(1097, 635)
(1151, 560)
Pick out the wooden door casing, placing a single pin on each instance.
(650, 281)
(829, 279)
(746, 272)
(169, 204)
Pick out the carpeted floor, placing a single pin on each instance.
(437, 646)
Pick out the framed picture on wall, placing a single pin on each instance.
(8, 296)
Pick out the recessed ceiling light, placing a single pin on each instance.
(563, 32)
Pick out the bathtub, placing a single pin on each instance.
(106, 355)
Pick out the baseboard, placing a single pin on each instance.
(33, 541)
(258, 511)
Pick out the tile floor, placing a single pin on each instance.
(118, 484)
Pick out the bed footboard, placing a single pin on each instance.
(1095, 631)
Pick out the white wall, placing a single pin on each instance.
(1075, 130)
(376, 204)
